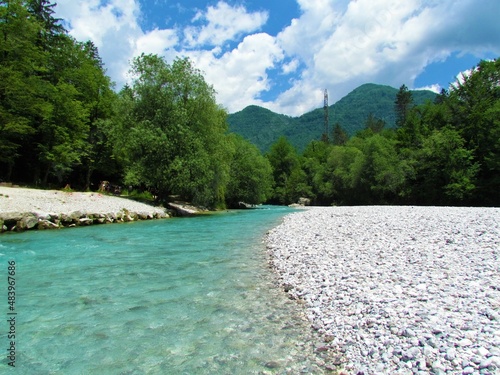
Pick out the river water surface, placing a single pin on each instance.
(178, 296)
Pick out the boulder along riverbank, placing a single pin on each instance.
(397, 290)
(23, 209)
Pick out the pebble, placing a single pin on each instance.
(451, 354)
(465, 342)
(401, 290)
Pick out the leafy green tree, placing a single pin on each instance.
(170, 133)
(298, 186)
(381, 170)
(475, 108)
(284, 160)
(314, 159)
(41, 109)
(88, 74)
(343, 171)
(446, 170)
(20, 59)
(80, 96)
(61, 137)
(251, 178)
(367, 170)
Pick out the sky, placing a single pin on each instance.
(283, 54)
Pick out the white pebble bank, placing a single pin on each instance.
(397, 290)
(56, 201)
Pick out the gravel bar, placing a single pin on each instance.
(43, 201)
(23, 209)
(397, 290)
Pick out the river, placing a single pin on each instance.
(178, 296)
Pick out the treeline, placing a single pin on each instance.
(62, 124)
(441, 153)
(54, 98)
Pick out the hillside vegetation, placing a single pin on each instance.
(263, 127)
(62, 123)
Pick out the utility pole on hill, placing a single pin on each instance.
(324, 137)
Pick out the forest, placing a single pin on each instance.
(63, 123)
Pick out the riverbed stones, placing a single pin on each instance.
(402, 290)
(47, 224)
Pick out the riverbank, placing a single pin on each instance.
(23, 209)
(397, 290)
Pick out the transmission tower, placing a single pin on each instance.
(325, 109)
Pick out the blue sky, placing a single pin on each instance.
(282, 54)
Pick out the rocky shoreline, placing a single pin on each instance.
(25, 209)
(397, 290)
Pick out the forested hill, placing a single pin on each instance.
(263, 127)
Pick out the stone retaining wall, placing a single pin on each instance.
(17, 221)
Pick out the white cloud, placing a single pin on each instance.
(434, 88)
(343, 45)
(112, 27)
(239, 76)
(460, 78)
(290, 67)
(333, 44)
(223, 23)
(156, 42)
(115, 30)
(94, 21)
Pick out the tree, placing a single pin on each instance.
(20, 59)
(376, 125)
(343, 171)
(475, 106)
(446, 170)
(50, 27)
(381, 170)
(170, 133)
(339, 135)
(402, 105)
(314, 160)
(250, 174)
(284, 160)
(87, 73)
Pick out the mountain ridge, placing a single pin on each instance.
(263, 127)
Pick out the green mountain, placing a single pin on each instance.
(263, 127)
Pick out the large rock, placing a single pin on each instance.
(65, 219)
(185, 209)
(46, 224)
(10, 219)
(18, 221)
(85, 221)
(28, 221)
(76, 215)
(160, 215)
(246, 205)
(304, 201)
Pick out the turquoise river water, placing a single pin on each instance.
(178, 296)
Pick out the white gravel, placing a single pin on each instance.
(54, 201)
(398, 290)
